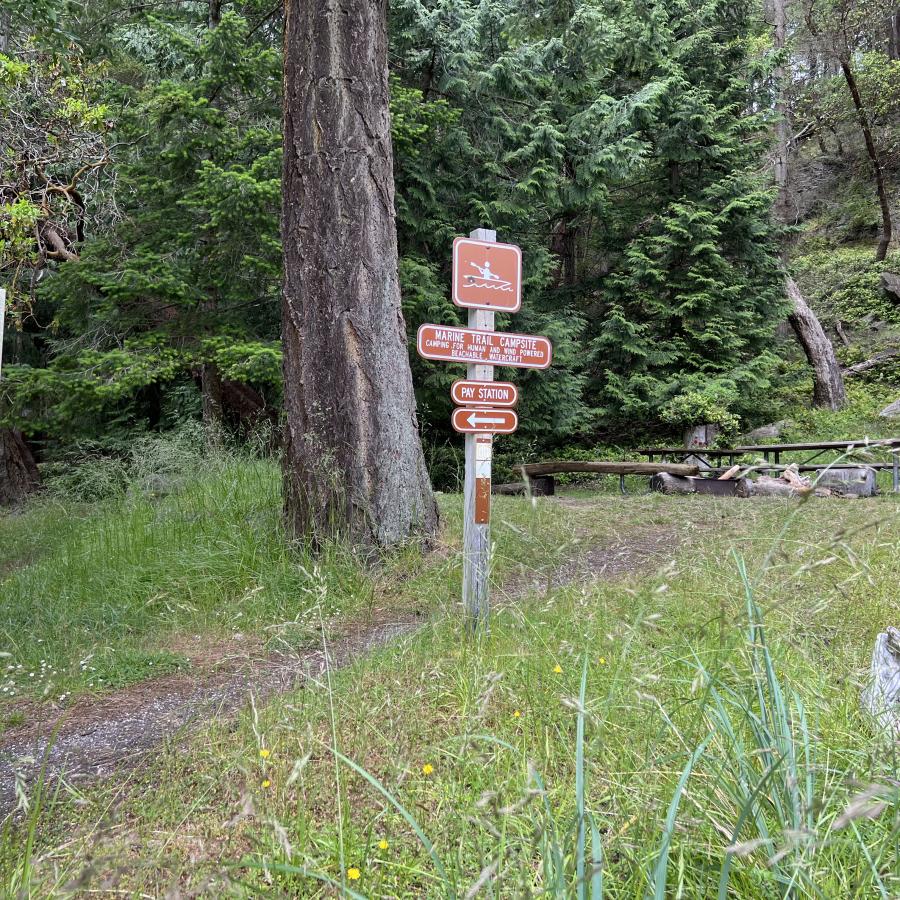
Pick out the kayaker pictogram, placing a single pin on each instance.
(487, 275)
(487, 279)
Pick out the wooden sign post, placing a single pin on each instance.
(487, 276)
(477, 487)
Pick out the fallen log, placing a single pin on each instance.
(871, 363)
(675, 484)
(539, 486)
(509, 488)
(609, 468)
(666, 483)
(775, 487)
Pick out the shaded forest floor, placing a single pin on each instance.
(468, 747)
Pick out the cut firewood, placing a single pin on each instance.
(764, 486)
(792, 476)
(727, 476)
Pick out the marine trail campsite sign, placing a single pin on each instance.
(487, 277)
(494, 348)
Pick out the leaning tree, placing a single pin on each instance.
(353, 458)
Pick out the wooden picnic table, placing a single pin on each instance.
(775, 450)
(540, 475)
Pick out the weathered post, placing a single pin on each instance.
(477, 490)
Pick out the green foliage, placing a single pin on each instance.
(623, 161)
(613, 143)
(845, 283)
(706, 406)
(53, 134)
(858, 419)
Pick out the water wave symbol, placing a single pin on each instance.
(491, 284)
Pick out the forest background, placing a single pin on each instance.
(664, 166)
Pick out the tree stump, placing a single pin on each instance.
(881, 699)
(857, 482)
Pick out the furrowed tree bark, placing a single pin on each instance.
(828, 382)
(353, 460)
(863, 119)
(214, 16)
(18, 472)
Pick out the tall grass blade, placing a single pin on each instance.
(660, 870)
(596, 862)
(579, 785)
(748, 809)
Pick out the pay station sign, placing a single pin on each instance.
(486, 275)
(484, 393)
(488, 348)
(469, 420)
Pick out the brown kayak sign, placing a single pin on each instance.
(487, 275)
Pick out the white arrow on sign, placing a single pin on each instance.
(496, 421)
(475, 420)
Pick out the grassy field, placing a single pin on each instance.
(697, 713)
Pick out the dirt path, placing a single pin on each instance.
(97, 736)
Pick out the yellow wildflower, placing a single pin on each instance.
(602, 660)
(353, 874)
(265, 754)
(266, 783)
(558, 669)
(427, 769)
(517, 715)
(383, 844)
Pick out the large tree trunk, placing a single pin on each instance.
(214, 16)
(5, 30)
(353, 459)
(828, 383)
(863, 119)
(18, 472)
